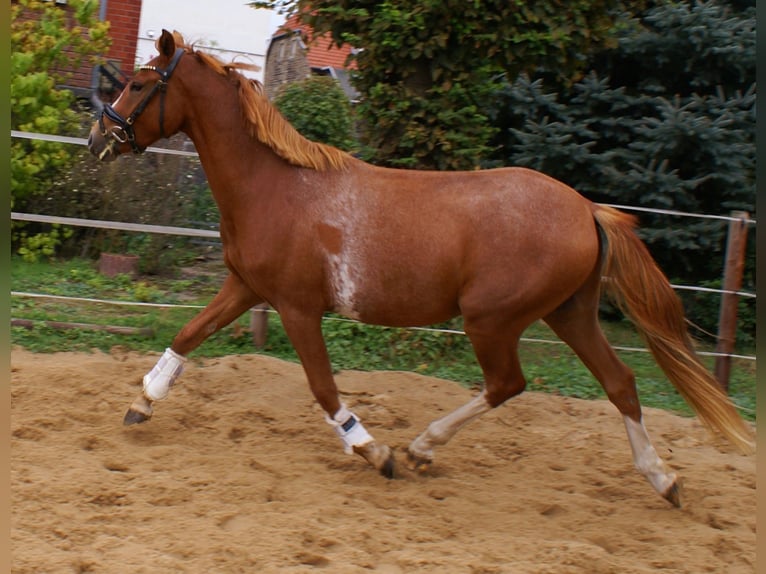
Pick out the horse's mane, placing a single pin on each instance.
(266, 123)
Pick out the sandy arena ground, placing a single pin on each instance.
(238, 472)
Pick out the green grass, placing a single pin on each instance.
(548, 367)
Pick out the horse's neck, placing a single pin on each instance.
(231, 157)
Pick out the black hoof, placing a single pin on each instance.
(133, 417)
(673, 495)
(387, 469)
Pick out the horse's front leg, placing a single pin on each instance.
(232, 300)
(305, 333)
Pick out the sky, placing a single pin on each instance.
(228, 27)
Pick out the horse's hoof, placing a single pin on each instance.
(140, 411)
(380, 457)
(673, 495)
(387, 469)
(134, 416)
(418, 463)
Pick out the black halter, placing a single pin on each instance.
(123, 131)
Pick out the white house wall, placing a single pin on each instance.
(227, 28)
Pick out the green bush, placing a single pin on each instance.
(319, 109)
(46, 41)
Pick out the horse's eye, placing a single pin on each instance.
(135, 87)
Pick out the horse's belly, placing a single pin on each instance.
(412, 313)
(401, 293)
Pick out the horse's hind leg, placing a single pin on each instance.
(496, 351)
(232, 300)
(576, 323)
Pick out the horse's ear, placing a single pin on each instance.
(179, 38)
(166, 44)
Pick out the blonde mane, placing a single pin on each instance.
(266, 123)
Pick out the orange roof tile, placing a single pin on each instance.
(320, 51)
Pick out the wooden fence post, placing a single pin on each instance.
(732, 282)
(259, 324)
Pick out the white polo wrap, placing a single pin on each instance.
(158, 381)
(349, 429)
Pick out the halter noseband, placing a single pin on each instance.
(123, 131)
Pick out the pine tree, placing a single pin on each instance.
(665, 120)
(662, 121)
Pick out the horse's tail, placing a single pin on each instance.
(644, 294)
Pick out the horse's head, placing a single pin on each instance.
(144, 112)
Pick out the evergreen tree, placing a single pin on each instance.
(666, 120)
(632, 133)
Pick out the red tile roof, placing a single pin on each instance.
(320, 51)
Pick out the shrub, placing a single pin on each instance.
(46, 41)
(319, 109)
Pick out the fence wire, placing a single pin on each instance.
(193, 232)
(337, 319)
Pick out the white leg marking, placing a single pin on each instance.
(349, 428)
(158, 381)
(645, 457)
(442, 430)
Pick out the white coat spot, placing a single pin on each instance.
(346, 215)
(344, 286)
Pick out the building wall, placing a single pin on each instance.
(295, 53)
(286, 62)
(123, 16)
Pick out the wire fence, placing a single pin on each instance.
(337, 319)
(196, 232)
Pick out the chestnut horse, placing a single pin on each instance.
(309, 229)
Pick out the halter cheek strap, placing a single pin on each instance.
(123, 131)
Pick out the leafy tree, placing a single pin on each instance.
(319, 109)
(46, 41)
(426, 67)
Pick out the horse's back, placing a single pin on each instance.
(501, 216)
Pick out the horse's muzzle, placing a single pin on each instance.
(103, 148)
